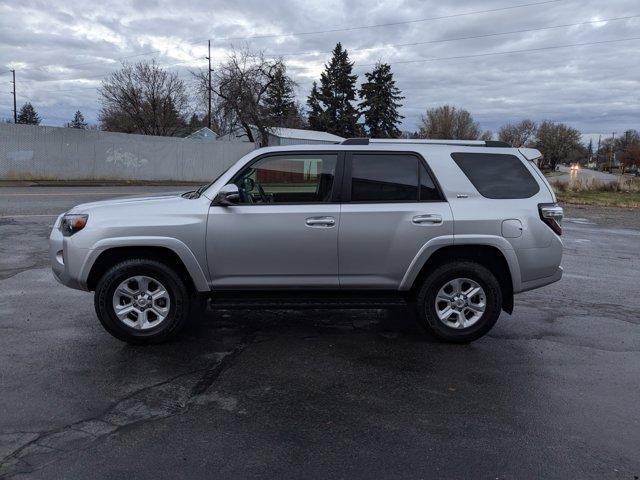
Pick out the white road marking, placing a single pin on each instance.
(30, 215)
(78, 194)
(581, 277)
(581, 221)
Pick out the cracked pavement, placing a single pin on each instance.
(551, 392)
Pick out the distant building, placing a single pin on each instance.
(287, 136)
(203, 134)
(297, 136)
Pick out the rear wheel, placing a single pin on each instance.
(142, 301)
(459, 301)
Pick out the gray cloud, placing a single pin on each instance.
(61, 50)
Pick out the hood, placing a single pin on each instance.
(155, 201)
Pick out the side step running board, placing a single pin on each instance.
(278, 301)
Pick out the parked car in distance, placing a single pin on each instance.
(451, 229)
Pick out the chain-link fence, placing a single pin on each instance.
(29, 152)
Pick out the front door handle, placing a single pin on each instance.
(430, 219)
(326, 222)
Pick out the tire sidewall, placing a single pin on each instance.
(435, 281)
(178, 295)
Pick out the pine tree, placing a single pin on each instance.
(316, 113)
(336, 96)
(380, 103)
(590, 149)
(78, 121)
(28, 115)
(280, 98)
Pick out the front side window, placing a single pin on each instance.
(497, 175)
(390, 178)
(295, 178)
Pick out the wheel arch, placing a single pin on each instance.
(490, 256)
(169, 251)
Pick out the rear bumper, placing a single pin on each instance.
(540, 282)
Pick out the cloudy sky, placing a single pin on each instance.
(572, 61)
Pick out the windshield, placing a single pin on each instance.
(202, 188)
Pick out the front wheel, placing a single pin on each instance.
(142, 301)
(459, 301)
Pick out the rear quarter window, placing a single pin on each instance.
(497, 175)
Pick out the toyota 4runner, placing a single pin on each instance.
(453, 229)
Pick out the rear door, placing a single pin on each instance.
(391, 208)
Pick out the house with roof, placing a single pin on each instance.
(279, 136)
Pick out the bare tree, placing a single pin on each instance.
(222, 122)
(557, 142)
(520, 134)
(242, 83)
(449, 122)
(143, 98)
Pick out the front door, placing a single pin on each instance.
(284, 230)
(392, 209)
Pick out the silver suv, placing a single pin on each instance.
(450, 228)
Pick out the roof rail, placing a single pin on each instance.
(467, 143)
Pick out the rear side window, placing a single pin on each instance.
(390, 178)
(497, 175)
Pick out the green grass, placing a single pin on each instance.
(602, 199)
(623, 193)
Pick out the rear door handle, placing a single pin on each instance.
(326, 222)
(430, 219)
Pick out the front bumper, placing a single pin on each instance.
(64, 268)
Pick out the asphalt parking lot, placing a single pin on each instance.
(552, 392)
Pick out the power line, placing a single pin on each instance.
(389, 24)
(505, 52)
(527, 50)
(332, 30)
(552, 47)
(468, 37)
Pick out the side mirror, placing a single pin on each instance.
(227, 195)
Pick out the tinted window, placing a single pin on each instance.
(428, 190)
(497, 175)
(302, 178)
(384, 178)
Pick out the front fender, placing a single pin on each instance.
(178, 247)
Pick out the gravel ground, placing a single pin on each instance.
(605, 216)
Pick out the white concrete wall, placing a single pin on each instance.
(29, 152)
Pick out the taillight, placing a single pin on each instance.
(551, 214)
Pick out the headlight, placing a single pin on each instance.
(73, 223)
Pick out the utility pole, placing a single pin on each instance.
(209, 86)
(15, 112)
(613, 138)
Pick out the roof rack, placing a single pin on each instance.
(467, 143)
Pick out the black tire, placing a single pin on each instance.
(426, 301)
(179, 295)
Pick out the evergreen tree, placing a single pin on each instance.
(331, 106)
(28, 115)
(380, 103)
(195, 123)
(590, 149)
(315, 112)
(280, 98)
(78, 121)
